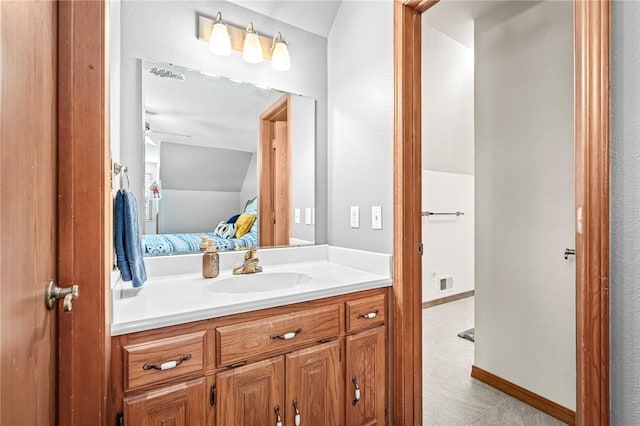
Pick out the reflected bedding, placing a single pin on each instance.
(189, 243)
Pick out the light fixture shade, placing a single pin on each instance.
(149, 141)
(280, 60)
(252, 50)
(220, 43)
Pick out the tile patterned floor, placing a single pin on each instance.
(450, 396)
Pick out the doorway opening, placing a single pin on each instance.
(591, 78)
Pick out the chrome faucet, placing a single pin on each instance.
(250, 265)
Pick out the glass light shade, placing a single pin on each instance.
(252, 50)
(280, 60)
(219, 42)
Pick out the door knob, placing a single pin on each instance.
(52, 293)
(569, 252)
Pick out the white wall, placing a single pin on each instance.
(195, 211)
(302, 164)
(447, 159)
(447, 102)
(525, 290)
(448, 240)
(166, 31)
(625, 214)
(250, 185)
(360, 79)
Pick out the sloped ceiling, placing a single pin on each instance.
(315, 16)
(197, 168)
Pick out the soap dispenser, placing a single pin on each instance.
(210, 261)
(204, 243)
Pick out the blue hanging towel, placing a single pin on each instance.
(127, 239)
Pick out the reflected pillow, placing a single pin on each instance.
(225, 230)
(244, 223)
(233, 219)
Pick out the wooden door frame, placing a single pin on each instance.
(591, 140)
(266, 213)
(84, 211)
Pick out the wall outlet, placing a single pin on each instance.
(446, 283)
(296, 215)
(355, 217)
(307, 215)
(376, 217)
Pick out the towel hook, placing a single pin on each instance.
(122, 171)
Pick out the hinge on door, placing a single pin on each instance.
(273, 144)
(212, 395)
(420, 249)
(120, 419)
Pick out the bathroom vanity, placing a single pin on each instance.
(311, 351)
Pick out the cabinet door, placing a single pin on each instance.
(249, 395)
(183, 404)
(366, 378)
(314, 386)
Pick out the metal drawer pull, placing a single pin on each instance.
(356, 393)
(370, 315)
(167, 365)
(296, 419)
(276, 409)
(286, 336)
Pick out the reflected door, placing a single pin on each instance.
(275, 175)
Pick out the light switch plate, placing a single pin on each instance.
(376, 217)
(296, 215)
(355, 217)
(307, 215)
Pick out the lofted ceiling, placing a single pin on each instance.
(315, 16)
(456, 18)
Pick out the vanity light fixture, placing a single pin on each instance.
(280, 60)
(252, 50)
(220, 42)
(223, 37)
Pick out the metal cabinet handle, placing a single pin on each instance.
(167, 365)
(276, 409)
(356, 392)
(569, 252)
(286, 336)
(296, 420)
(370, 315)
(52, 293)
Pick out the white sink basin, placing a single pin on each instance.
(258, 282)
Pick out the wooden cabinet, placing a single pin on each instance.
(305, 360)
(366, 378)
(306, 383)
(250, 395)
(177, 405)
(314, 385)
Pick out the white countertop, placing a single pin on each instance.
(170, 299)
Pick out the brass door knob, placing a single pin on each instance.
(52, 293)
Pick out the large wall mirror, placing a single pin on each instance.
(224, 159)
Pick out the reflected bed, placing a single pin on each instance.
(184, 243)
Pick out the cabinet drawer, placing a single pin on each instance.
(160, 360)
(277, 334)
(365, 313)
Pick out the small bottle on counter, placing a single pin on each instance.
(210, 261)
(203, 243)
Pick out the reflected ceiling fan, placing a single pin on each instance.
(148, 131)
